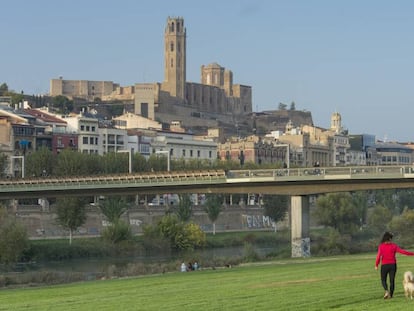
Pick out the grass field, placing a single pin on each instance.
(340, 283)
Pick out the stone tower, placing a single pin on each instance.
(175, 57)
(336, 122)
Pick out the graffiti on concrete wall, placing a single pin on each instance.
(257, 221)
(132, 222)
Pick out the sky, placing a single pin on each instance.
(355, 57)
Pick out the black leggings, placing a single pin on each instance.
(390, 269)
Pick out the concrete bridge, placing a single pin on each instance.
(299, 183)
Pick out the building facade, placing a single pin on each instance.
(216, 94)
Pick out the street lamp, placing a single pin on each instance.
(129, 158)
(168, 157)
(12, 163)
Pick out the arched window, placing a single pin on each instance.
(172, 46)
(172, 62)
(172, 27)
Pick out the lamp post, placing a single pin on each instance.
(129, 158)
(12, 163)
(168, 157)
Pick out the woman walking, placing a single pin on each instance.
(386, 256)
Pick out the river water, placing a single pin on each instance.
(100, 265)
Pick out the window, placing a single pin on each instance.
(183, 152)
(199, 153)
(85, 140)
(172, 63)
(172, 46)
(144, 110)
(191, 153)
(91, 140)
(82, 127)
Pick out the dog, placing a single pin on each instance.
(408, 284)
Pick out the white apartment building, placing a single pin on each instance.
(184, 146)
(87, 129)
(112, 140)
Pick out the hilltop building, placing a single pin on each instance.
(216, 99)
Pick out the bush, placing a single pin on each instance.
(250, 254)
(179, 235)
(13, 239)
(117, 232)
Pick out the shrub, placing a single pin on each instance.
(117, 232)
(13, 239)
(181, 236)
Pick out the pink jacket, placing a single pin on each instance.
(387, 251)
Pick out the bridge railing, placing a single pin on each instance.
(150, 177)
(231, 176)
(323, 172)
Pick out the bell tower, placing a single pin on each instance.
(175, 57)
(336, 122)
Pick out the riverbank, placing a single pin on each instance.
(57, 262)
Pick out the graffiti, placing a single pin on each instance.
(106, 223)
(301, 247)
(132, 222)
(135, 222)
(257, 221)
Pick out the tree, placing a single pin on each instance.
(3, 165)
(13, 238)
(405, 199)
(276, 207)
(71, 213)
(292, 106)
(282, 106)
(71, 163)
(40, 163)
(213, 208)
(113, 208)
(3, 89)
(388, 199)
(337, 210)
(16, 98)
(404, 225)
(360, 201)
(379, 219)
(180, 235)
(62, 104)
(184, 209)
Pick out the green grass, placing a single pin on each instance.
(340, 283)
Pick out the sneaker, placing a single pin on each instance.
(386, 295)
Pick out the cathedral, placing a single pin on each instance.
(214, 97)
(205, 104)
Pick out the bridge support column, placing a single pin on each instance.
(299, 223)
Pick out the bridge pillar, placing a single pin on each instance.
(299, 223)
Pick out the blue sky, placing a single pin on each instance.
(352, 57)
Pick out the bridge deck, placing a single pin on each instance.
(310, 177)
